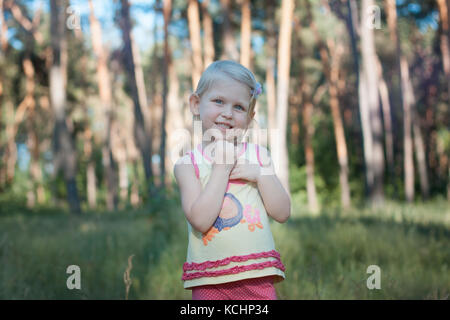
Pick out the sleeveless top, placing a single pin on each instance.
(239, 245)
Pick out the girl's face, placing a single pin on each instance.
(224, 107)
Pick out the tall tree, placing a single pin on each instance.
(370, 75)
(230, 51)
(352, 23)
(167, 12)
(387, 121)
(208, 38)
(246, 30)
(104, 86)
(419, 147)
(28, 103)
(283, 66)
(63, 144)
(406, 98)
(305, 99)
(444, 9)
(331, 72)
(270, 48)
(141, 127)
(36, 191)
(307, 111)
(3, 52)
(194, 34)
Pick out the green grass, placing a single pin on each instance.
(326, 256)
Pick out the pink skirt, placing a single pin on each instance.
(248, 289)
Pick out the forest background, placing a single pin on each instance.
(93, 112)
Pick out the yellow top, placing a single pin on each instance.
(240, 244)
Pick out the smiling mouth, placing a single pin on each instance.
(223, 125)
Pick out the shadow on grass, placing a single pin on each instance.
(430, 229)
(327, 257)
(37, 245)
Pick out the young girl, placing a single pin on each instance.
(228, 190)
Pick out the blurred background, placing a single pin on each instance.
(94, 95)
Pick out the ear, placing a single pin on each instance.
(194, 102)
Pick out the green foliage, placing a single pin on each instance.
(326, 256)
(443, 137)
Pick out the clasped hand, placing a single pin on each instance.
(225, 155)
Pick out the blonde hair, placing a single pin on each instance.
(233, 70)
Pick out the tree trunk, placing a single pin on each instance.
(10, 151)
(271, 45)
(64, 150)
(352, 23)
(167, 12)
(284, 63)
(91, 178)
(294, 117)
(406, 98)
(104, 85)
(194, 35)
(309, 151)
(271, 97)
(339, 133)
(141, 128)
(230, 51)
(134, 196)
(407, 134)
(366, 132)
(445, 40)
(7, 173)
(140, 85)
(246, 30)
(208, 38)
(91, 183)
(371, 78)
(4, 48)
(175, 119)
(386, 105)
(36, 191)
(420, 157)
(331, 71)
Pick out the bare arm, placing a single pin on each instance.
(276, 199)
(201, 206)
(206, 208)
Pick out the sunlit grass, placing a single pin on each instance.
(326, 256)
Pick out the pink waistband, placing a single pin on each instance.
(236, 269)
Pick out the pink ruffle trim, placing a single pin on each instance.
(237, 269)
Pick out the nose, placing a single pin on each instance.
(227, 112)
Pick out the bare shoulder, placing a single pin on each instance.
(184, 160)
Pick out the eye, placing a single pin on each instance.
(239, 107)
(218, 101)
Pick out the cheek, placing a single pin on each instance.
(242, 120)
(208, 112)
